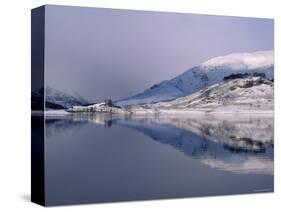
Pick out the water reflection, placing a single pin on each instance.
(56, 125)
(239, 144)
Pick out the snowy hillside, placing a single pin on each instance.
(206, 74)
(242, 94)
(56, 99)
(252, 93)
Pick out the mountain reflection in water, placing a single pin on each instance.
(235, 143)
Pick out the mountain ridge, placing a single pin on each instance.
(208, 73)
(56, 99)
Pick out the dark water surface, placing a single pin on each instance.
(103, 158)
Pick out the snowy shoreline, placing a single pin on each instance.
(181, 112)
(161, 112)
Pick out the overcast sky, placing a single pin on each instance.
(105, 53)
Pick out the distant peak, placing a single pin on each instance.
(245, 60)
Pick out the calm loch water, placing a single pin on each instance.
(104, 158)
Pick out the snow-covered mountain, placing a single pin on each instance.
(206, 74)
(62, 98)
(56, 99)
(241, 94)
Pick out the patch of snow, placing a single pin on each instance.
(238, 61)
(101, 107)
